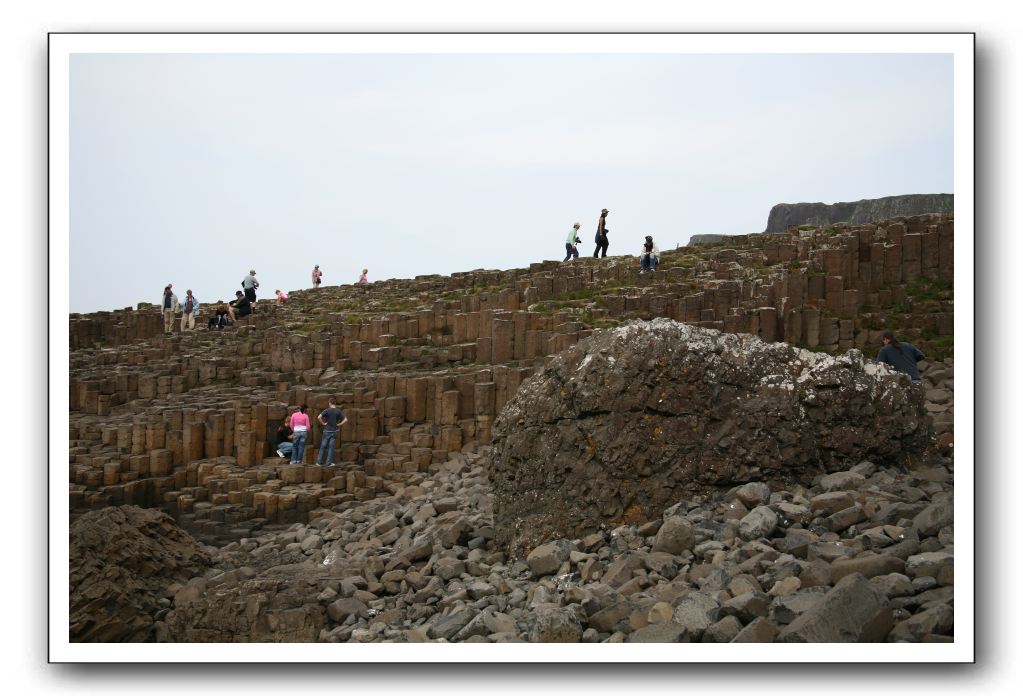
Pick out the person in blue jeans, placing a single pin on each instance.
(300, 431)
(331, 418)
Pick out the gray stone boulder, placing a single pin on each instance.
(630, 420)
(854, 611)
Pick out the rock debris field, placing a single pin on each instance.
(856, 548)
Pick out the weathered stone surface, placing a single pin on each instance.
(667, 632)
(121, 559)
(936, 620)
(760, 522)
(933, 518)
(696, 613)
(628, 420)
(758, 631)
(675, 536)
(547, 558)
(936, 564)
(867, 565)
(854, 611)
(551, 623)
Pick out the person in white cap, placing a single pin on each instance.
(249, 285)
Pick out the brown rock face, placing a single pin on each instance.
(121, 561)
(633, 419)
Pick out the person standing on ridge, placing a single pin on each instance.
(317, 276)
(364, 278)
(170, 308)
(902, 356)
(601, 236)
(331, 418)
(249, 285)
(189, 311)
(571, 252)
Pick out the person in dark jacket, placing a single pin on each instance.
(240, 306)
(284, 436)
(902, 356)
(601, 237)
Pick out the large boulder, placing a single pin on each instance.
(121, 559)
(631, 420)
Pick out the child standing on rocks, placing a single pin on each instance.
(317, 276)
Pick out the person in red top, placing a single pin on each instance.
(299, 431)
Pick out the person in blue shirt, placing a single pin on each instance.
(902, 356)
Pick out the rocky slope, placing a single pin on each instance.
(121, 559)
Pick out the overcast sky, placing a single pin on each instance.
(194, 168)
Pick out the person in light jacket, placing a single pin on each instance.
(189, 311)
(169, 306)
(650, 255)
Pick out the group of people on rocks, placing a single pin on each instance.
(294, 431)
(649, 256)
(318, 277)
(226, 313)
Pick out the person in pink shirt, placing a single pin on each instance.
(317, 276)
(300, 431)
(282, 297)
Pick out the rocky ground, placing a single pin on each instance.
(862, 552)
(862, 555)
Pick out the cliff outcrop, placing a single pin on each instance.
(862, 212)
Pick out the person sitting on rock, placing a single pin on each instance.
(284, 437)
(902, 356)
(650, 255)
(219, 319)
(240, 306)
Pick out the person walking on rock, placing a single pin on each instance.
(249, 285)
(902, 356)
(601, 236)
(571, 252)
(331, 418)
(300, 431)
(284, 436)
(650, 255)
(170, 308)
(364, 278)
(189, 311)
(317, 276)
